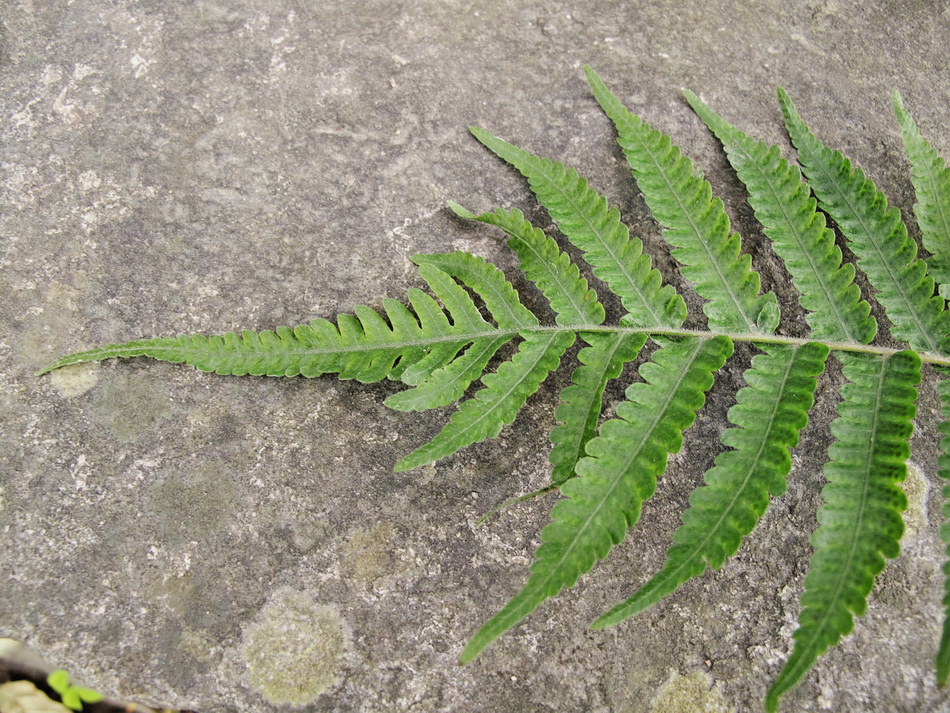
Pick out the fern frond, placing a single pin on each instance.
(448, 383)
(363, 346)
(943, 654)
(543, 262)
(487, 281)
(931, 178)
(618, 474)
(696, 223)
(440, 344)
(787, 212)
(768, 416)
(505, 392)
(574, 304)
(878, 237)
(860, 522)
(587, 221)
(582, 401)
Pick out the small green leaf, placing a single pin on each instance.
(447, 384)
(71, 699)
(58, 680)
(931, 178)
(88, 695)
(487, 281)
(550, 269)
(461, 211)
(581, 402)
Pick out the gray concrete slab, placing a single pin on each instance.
(238, 544)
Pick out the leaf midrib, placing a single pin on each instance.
(143, 349)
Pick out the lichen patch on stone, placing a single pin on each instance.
(695, 692)
(75, 380)
(916, 487)
(368, 552)
(294, 650)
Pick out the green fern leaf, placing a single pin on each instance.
(782, 204)
(768, 416)
(505, 392)
(448, 384)
(584, 217)
(860, 522)
(363, 347)
(943, 654)
(488, 282)
(575, 305)
(581, 402)
(618, 474)
(931, 178)
(547, 266)
(696, 223)
(877, 235)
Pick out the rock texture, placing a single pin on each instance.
(191, 540)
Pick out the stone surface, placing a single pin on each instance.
(206, 166)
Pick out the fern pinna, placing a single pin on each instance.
(442, 343)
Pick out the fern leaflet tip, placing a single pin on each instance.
(460, 210)
(930, 177)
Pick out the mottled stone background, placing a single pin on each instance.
(233, 544)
